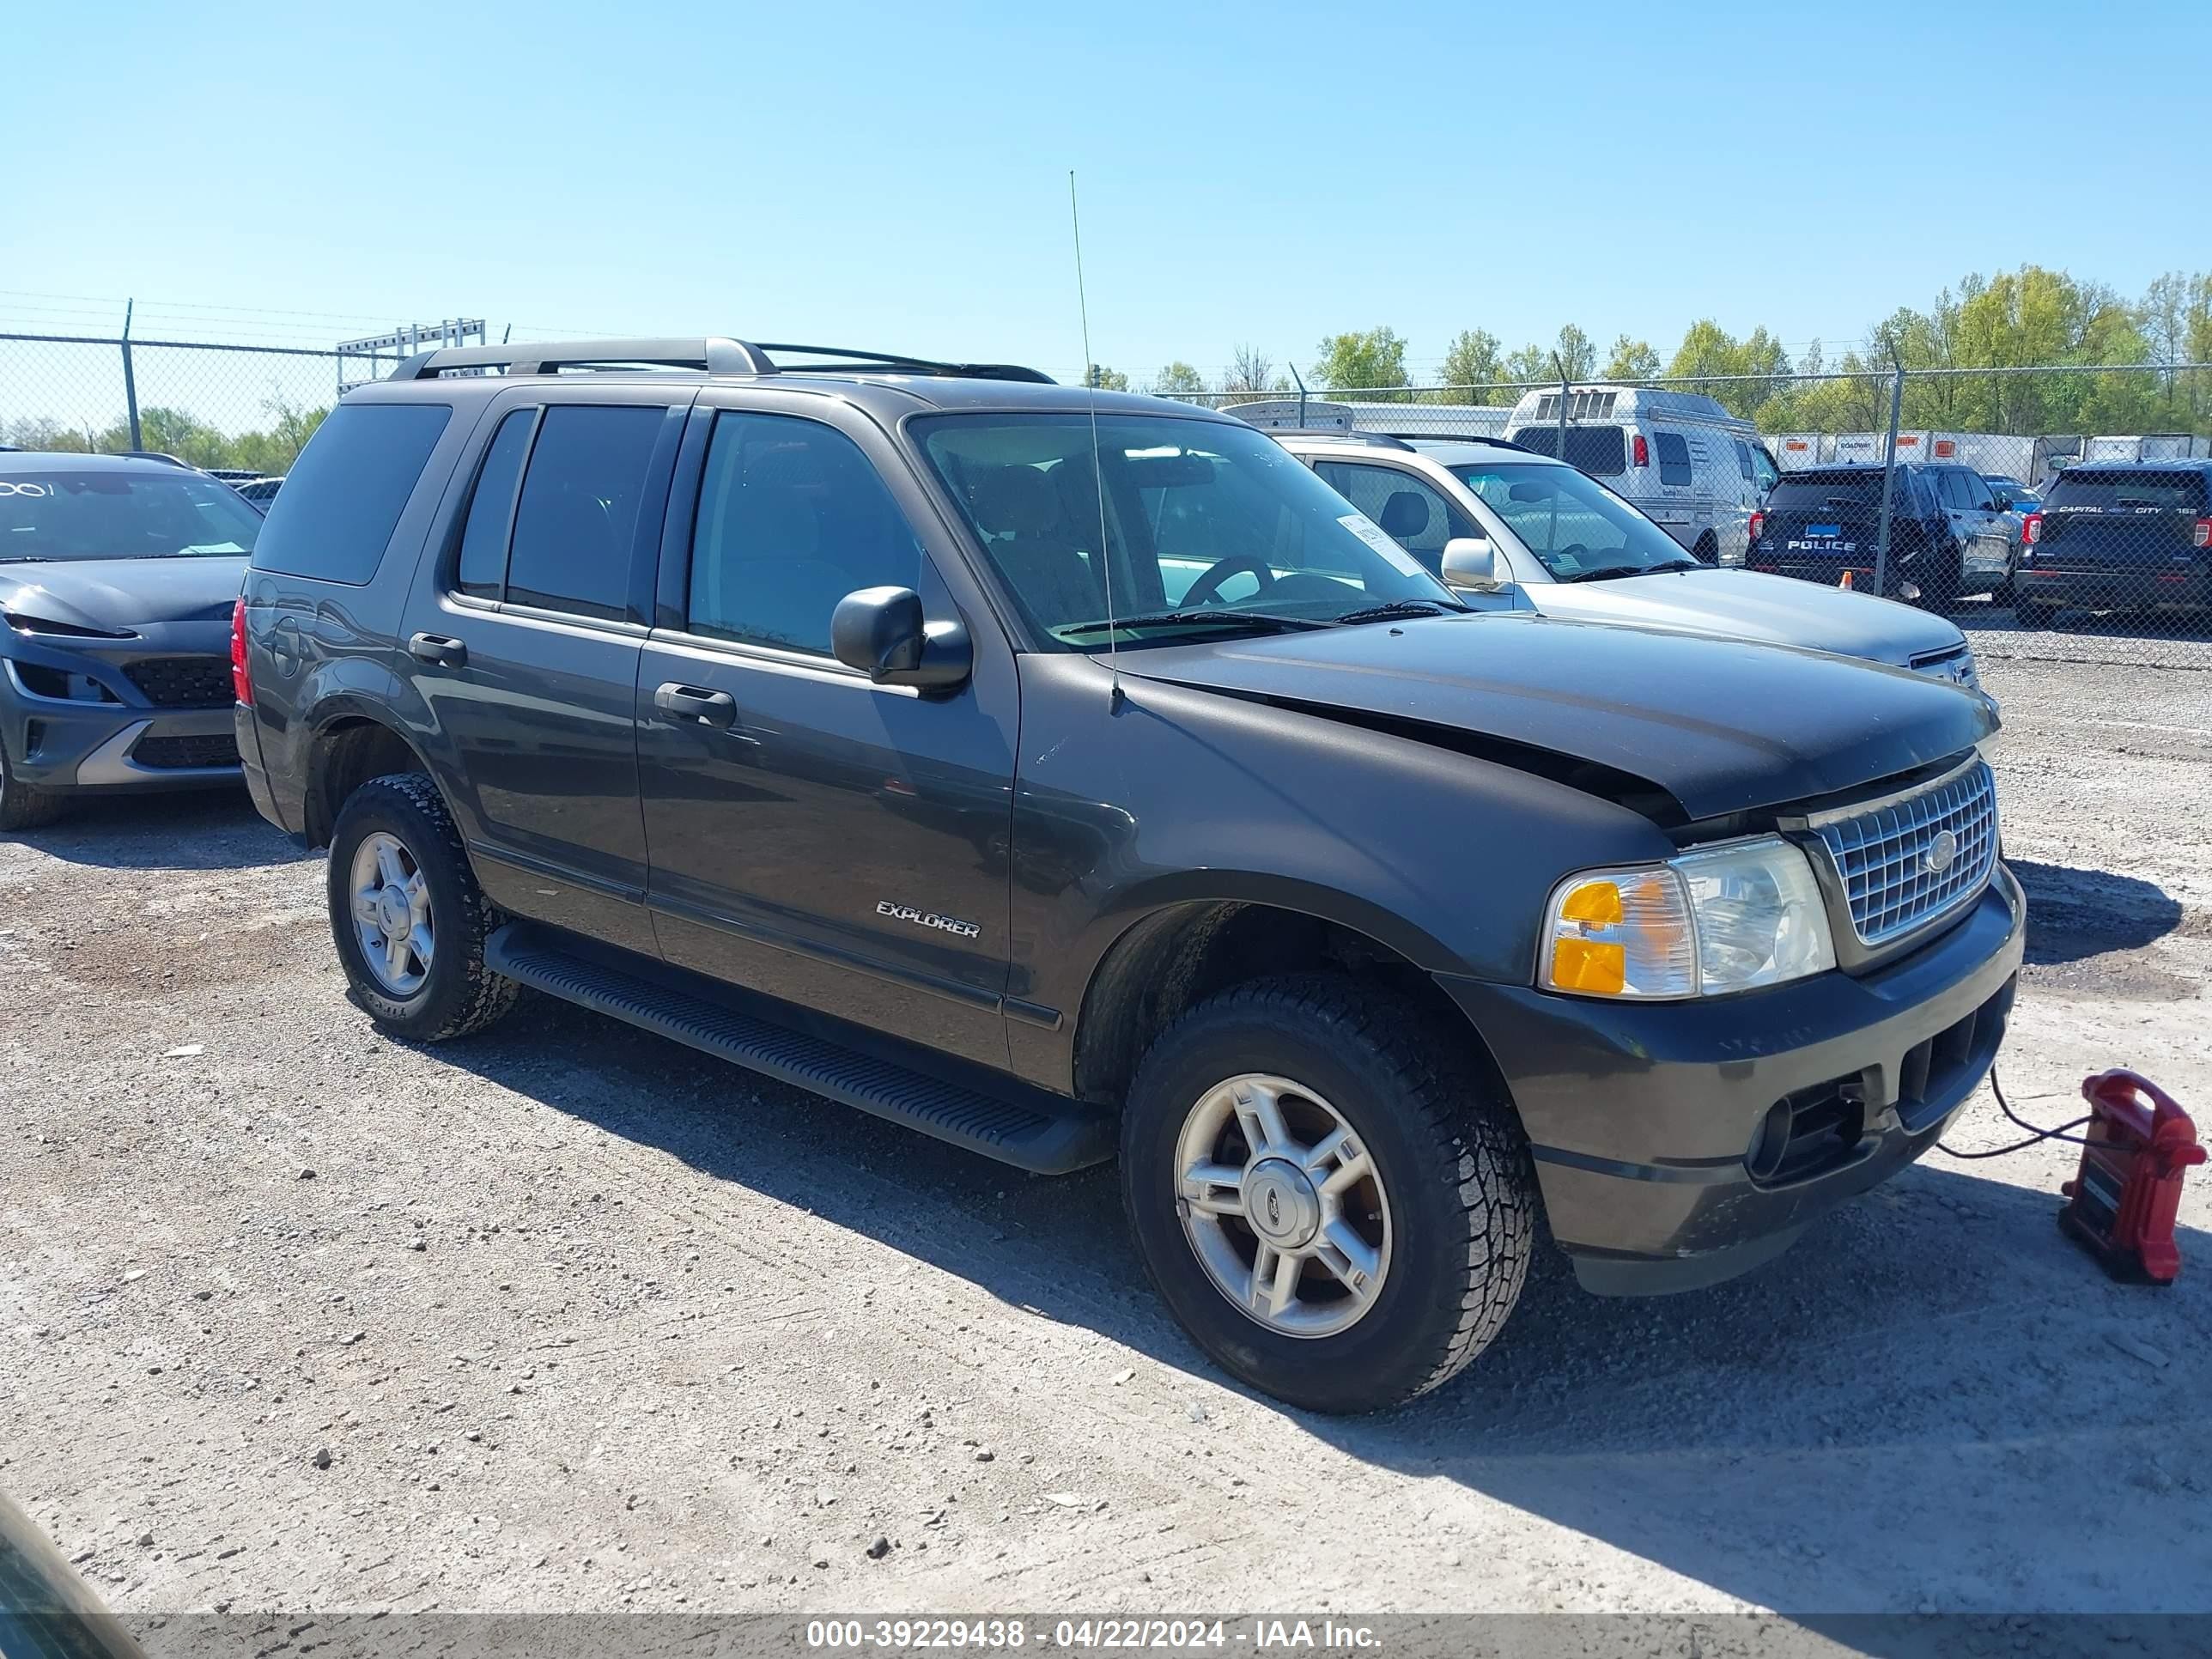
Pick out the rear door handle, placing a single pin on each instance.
(441, 650)
(682, 703)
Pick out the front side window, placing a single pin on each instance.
(1766, 474)
(1203, 526)
(1743, 462)
(126, 513)
(1577, 528)
(1674, 451)
(576, 523)
(793, 517)
(1412, 511)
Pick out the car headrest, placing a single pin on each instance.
(1404, 515)
(1016, 501)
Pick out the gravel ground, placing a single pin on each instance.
(569, 1318)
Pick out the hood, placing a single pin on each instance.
(124, 595)
(1718, 726)
(1745, 604)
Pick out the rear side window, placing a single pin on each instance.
(2119, 489)
(484, 541)
(1600, 450)
(344, 496)
(576, 522)
(1674, 456)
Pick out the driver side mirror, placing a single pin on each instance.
(881, 632)
(1470, 562)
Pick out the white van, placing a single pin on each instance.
(1697, 471)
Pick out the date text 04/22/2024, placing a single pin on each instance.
(1158, 1635)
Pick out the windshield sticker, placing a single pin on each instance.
(212, 547)
(1372, 533)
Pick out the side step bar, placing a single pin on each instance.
(1028, 1128)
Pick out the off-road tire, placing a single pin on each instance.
(1450, 1155)
(23, 806)
(458, 995)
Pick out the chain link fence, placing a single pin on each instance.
(1983, 493)
(2062, 513)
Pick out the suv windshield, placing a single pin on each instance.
(1208, 526)
(170, 514)
(1573, 524)
(1600, 450)
(2124, 491)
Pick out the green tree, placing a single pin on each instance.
(1372, 361)
(1100, 378)
(1177, 380)
(1474, 359)
(1632, 359)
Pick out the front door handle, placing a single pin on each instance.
(440, 650)
(690, 704)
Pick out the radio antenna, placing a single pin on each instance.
(1097, 465)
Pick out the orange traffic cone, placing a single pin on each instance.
(1846, 582)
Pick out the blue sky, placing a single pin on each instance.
(896, 176)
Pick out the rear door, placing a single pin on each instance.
(525, 646)
(816, 837)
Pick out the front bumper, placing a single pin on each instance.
(68, 745)
(1644, 1120)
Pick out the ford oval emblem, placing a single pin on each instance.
(1941, 852)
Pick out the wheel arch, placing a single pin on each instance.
(1181, 952)
(351, 745)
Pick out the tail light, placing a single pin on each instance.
(1642, 451)
(2031, 529)
(1757, 526)
(241, 681)
(2204, 537)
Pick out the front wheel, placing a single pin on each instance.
(407, 915)
(21, 806)
(1330, 1199)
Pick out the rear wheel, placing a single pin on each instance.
(407, 915)
(1334, 1204)
(23, 806)
(1708, 549)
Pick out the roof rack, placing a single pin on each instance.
(711, 354)
(1462, 438)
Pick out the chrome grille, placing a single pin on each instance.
(1890, 856)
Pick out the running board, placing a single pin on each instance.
(1047, 1134)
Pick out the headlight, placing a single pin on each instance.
(1729, 918)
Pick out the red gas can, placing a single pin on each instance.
(2121, 1201)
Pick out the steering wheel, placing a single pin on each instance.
(1207, 587)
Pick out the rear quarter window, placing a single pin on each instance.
(1674, 456)
(344, 496)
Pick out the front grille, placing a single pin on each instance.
(183, 682)
(173, 753)
(1954, 666)
(1910, 860)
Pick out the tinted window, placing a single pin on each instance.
(577, 520)
(157, 514)
(1197, 513)
(1411, 513)
(793, 517)
(484, 542)
(1674, 456)
(2123, 490)
(1855, 487)
(344, 496)
(1957, 490)
(1600, 450)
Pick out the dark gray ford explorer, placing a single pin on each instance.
(1062, 775)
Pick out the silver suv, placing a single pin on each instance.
(1526, 532)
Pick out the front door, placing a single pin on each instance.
(812, 835)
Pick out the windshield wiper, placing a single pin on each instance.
(1608, 572)
(1249, 622)
(1393, 608)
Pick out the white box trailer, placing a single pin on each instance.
(2148, 447)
